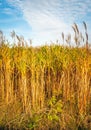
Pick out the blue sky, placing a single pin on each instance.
(44, 20)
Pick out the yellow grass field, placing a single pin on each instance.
(47, 87)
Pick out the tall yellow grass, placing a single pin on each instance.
(43, 87)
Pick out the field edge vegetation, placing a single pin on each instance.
(47, 87)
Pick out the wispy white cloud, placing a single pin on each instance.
(49, 18)
(9, 11)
